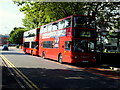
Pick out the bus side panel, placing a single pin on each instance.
(66, 54)
(27, 50)
(35, 52)
(52, 53)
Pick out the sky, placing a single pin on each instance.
(10, 16)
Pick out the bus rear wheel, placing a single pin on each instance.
(25, 52)
(43, 55)
(60, 58)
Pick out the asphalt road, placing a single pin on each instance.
(0, 73)
(7, 80)
(46, 73)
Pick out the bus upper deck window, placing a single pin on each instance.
(45, 28)
(68, 23)
(61, 24)
(49, 28)
(42, 29)
(84, 22)
(55, 26)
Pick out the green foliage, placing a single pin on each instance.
(40, 13)
(16, 35)
(107, 14)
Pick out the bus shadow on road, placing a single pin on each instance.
(67, 78)
(8, 80)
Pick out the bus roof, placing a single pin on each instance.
(31, 31)
(65, 18)
(57, 20)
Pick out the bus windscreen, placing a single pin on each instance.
(83, 46)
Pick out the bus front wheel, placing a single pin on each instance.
(32, 53)
(60, 58)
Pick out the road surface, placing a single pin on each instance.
(45, 73)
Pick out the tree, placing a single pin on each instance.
(16, 35)
(40, 13)
(107, 14)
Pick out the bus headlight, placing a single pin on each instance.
(75, 57)
(94, 57)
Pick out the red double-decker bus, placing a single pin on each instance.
(31, 41)
(71, 39)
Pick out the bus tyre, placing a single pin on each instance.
(60, 58)
(32, 53)
(25, 52)
(43, 55)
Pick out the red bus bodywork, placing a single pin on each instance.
(61, 44)
(31, 41)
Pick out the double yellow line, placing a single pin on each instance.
(20, 74)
